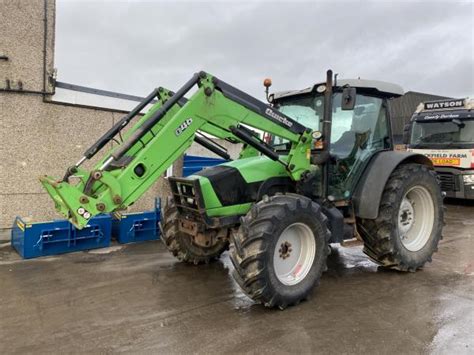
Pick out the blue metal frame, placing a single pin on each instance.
(137, 227)
(193, 163)
(32, 240)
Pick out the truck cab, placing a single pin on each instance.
(444, 132)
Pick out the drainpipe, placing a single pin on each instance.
(45, 40)
(45, 52)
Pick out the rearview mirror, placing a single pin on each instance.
(406, 134)
(348, 98)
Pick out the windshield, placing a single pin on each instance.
(306, 110)
(446, 133)
(309, 110)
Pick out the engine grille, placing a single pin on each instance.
(187, 196)
(449, 182)
(189, 200)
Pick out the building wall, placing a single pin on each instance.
(232, 149)
(38, 137)
(23, 41)
(42, 138)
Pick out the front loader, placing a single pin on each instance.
(317, 166)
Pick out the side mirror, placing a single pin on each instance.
(406, 133)
(348, 98)
(458, 123)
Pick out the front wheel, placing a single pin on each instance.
(407, 231)
(184, 246)
(280, 250)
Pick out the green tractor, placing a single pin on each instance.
(317, 166)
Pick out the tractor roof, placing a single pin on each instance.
(375, 86)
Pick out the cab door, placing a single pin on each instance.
(356, 136)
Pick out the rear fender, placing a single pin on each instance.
(368, 192)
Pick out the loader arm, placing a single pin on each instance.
(162, 135)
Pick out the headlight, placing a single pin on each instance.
(468, 179)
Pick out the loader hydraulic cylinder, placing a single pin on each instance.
(146, 127)
(111, 133)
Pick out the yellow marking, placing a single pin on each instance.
(446, 161)
(20, 225)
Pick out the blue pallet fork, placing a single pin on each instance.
(32, 240)
(137, 227)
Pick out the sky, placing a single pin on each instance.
(135, 46)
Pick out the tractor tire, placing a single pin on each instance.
(181, 244)
(279, 251)
(408, 228)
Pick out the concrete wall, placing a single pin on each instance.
(38, 136)
(22, 40)
(232, 149)
(42, 138)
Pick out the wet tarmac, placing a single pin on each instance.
(137, 298)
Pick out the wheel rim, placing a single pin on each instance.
(416, 218)
(294, 254)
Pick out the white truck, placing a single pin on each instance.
(444, 131)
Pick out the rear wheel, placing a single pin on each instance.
(407, 231)
(185, 246)
(279, 252)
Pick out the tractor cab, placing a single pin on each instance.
(360, 125)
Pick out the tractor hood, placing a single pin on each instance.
(236, 182)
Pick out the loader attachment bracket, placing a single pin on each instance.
(67, 201)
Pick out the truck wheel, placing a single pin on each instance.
(182, 245)
(407, 231)
(279, 251)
